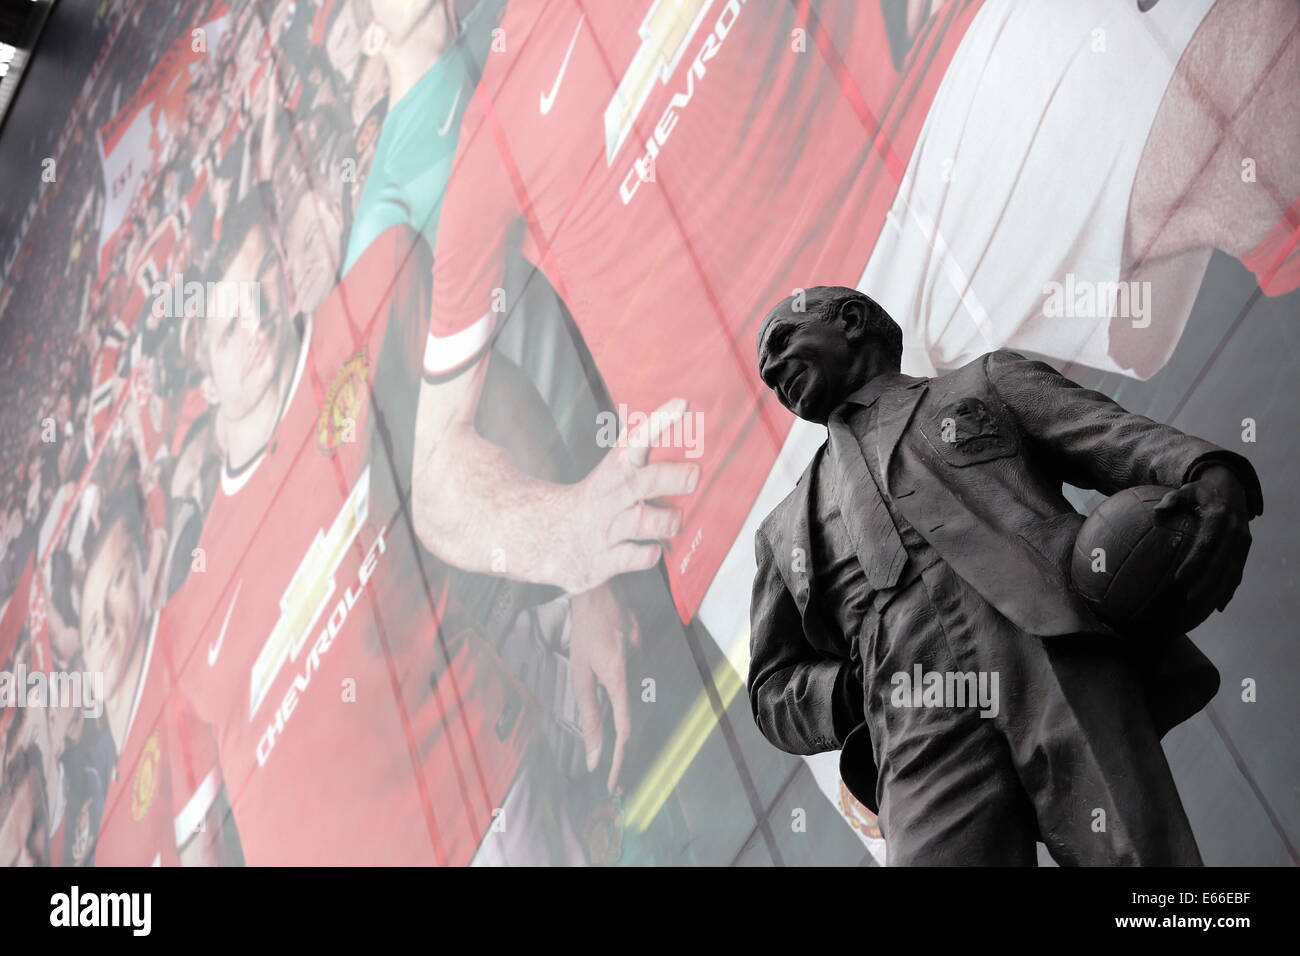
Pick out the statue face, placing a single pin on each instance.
(246, 352)
(808, 362)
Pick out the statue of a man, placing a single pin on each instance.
(930, 536)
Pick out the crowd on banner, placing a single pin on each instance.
(93, 291)
(266, 108)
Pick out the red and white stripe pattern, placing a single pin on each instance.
(447, 356)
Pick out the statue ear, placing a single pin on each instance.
(853, 318)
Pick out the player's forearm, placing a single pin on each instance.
(475, 510)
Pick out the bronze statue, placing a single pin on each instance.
(913, 605)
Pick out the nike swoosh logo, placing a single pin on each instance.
(215, 649)
(548, 99)
(442, 130)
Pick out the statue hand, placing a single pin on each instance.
(1213, 566)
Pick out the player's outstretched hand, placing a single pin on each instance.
(609, 525)
(1213, 566)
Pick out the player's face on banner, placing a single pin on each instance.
(187, 477)
(310, 244)
(112, 607)
(247, 344)
(343, 42)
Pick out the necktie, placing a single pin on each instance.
(880, 549)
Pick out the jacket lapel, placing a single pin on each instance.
(892, 418)
(791, 536)
(800, 543)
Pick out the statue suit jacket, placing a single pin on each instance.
(974, 460)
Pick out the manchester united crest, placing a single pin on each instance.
(145, 783)
(338, 418)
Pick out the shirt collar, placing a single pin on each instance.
(868, 393)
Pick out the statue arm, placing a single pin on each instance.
(803, 701)
(1094, 443)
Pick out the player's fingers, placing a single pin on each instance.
(665, 479)
(632, 556)
(643, 522)
(584, 692)
(638, 441)
(632, 630)
(617, 690)
(616, 766)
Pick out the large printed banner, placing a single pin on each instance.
(383, 435)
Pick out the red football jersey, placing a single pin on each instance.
(350, 729)
(677, 168)
(163, 744)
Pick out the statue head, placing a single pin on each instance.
(820, 345)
